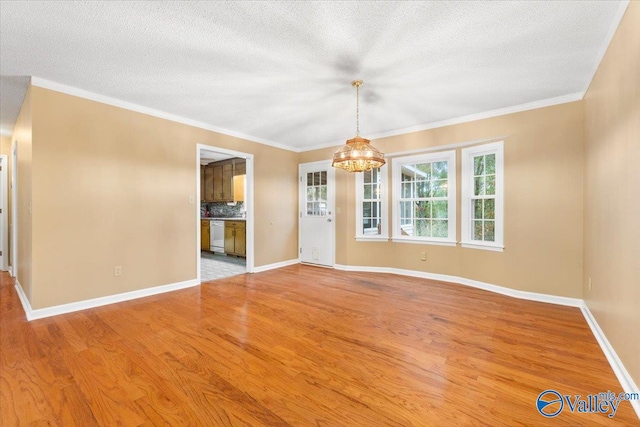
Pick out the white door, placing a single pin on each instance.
(317, 226)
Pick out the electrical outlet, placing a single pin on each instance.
(117, 271)
(423, 256)
(590, 285)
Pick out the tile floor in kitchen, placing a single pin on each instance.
(216, 266)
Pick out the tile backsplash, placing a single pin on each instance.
(223, 210)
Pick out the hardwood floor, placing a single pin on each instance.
(301, 346)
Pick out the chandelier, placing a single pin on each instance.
(357, 155)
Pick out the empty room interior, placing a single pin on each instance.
(282, 213)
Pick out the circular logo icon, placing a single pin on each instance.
(549, 403)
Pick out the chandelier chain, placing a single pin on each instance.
(357, 110)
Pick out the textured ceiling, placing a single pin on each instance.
(280, 72)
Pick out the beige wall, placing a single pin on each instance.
(5, 145)
(22, 134)
(111, 187)
(611, 189)
(543, 205)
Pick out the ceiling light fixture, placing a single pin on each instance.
(357, 155)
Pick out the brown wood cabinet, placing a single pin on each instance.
(217, 182)
(235, 238)
(208, 184)
(205, 235)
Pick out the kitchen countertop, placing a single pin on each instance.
(212, 218)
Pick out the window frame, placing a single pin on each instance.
(397, 163)
(468, 154)
(384, 208)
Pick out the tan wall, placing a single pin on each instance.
(543, 205)
(111, 187)
(22, 133)
(5, 149)
(611, 189)
(5, 145)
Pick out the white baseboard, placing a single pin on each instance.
(10, 270)
(627, 383)
(275, 265)
(532, 296)
(97, 302)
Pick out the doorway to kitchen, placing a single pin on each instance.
(225, 216)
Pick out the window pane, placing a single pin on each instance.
(366, 209)
(489, 231)
(323, 178)
(323, 193)
(490, 163)
(489, 209)
(311, 193)
(422, 189)
(422, 228)
(375, 192)
(367, 176)
(440, 209)
(440, 228)
(440, 188)
(440, 170)
(478, 165)
(310, 178)
(490, 187)
(477, 230)
(423, 210)
(425, 168)
(406, 190)
(316, 178)
(375, 175)
(478, 189)
(367, 191)
(309, 208)
(375, 209)
(405, 209)
(477, 209)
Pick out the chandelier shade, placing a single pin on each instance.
(358, 155)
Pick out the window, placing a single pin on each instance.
(483, 196)
(317, 193)
(425, 198)
(371, 205)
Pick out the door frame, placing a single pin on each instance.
(14, 209)
(248, 200)
(302, 200)
(4, 233)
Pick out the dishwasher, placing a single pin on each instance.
(217, 236)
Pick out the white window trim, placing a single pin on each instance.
(384, 206)
(468, 154)
(397, 163)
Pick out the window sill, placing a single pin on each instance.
(470, 245)
(424, 241)
(372, 239)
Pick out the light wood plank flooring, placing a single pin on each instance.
(301, 346)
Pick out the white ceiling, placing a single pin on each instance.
(280, 72)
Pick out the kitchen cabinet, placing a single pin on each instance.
(222, 176)
(208, 183)
(205, 235)
(235, 238)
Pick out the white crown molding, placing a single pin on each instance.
(81, 93)
(5, 132)
(627, 383)
(275, 265)
(564, 99)
(96, 302)
(615, 23)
